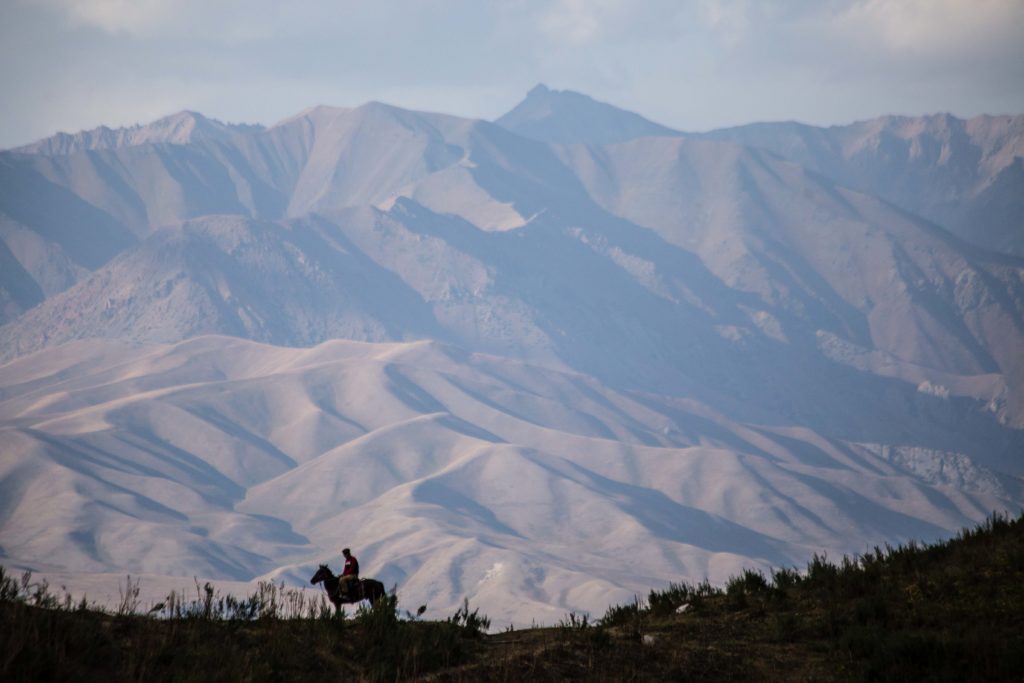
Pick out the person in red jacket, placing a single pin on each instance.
(349, 575)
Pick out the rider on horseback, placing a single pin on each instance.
(349, 580)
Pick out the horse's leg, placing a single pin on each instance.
(333, 598)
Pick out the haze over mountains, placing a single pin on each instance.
(182, 128)
(500, 357)
(965, 175)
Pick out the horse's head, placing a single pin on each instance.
(322, 574)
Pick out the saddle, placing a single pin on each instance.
(355, 590)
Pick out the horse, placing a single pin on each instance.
(366, 589)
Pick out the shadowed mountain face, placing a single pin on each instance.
(691, 293)
(816, 255)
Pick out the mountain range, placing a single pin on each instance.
(498, 358)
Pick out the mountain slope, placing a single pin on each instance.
(49, 237)
(614, 301)
(322, 160)
(817, 254)
(566, 117)
(966, 175)
(182, 128)
(736, 277)
(288, 283)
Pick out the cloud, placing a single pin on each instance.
(731, 20)
(136, 17)
(224, 21)
(579, 21)
(592, 23)
(929, 27)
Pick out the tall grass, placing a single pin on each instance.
(946, 611)
(206, 634)
(269, 601)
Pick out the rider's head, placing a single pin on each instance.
(346, 552)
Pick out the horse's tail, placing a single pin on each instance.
(373, 590)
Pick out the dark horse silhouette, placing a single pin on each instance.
(366, 589)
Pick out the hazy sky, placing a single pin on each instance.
(690, 64)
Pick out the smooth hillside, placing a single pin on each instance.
(454, 474)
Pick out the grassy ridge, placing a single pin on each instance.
(273, 634)
(952, 611)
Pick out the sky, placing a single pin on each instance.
(694, 65)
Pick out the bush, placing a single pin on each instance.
(621, 615)
(821, 573)
(669, 600)
(738, 588)
(472, 623)
(575, 622)
(9, 588)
